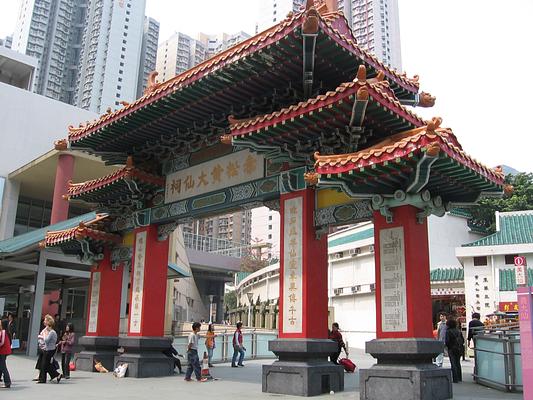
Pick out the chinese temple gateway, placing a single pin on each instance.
(300, 119)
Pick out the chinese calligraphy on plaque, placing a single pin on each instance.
(216, 174)
(292, 266)
(95, 301)
(393, 289)
(138, 282)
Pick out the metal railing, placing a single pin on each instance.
(498, 362)
(215, 245)
(256, 344)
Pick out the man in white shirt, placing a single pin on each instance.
(192, 354)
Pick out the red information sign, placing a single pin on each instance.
(521, 272)
(508, 306)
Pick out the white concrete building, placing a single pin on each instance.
(490, 279)
(351, 275)
(214, 44)
(266, 229)
(376, 27)
(30, 125)
(109, 59)
(177, 54)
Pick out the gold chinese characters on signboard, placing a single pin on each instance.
(217, 174)
(292, 266)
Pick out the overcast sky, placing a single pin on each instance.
(475, 56)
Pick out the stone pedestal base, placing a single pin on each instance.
(405, 371)
(144, 356)
(96, 349)
(303, 368)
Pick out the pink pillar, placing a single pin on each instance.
(64, 173)
(525, 311)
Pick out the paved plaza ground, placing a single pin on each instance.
(232, 383)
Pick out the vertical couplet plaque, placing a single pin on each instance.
(138, 282)
(95, 301)
(292, 266)
(393, 289)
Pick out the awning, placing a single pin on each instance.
(175, 271)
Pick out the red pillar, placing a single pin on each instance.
(64, 173)
(148, 284)
(403, 293)
(303, 270)
(103, 317)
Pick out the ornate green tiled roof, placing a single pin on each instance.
(34, 237)
(354, 237)
(508, 279)
(446, 274)
(515, 227)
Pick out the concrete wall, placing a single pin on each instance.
(482, 285)
(30, 125)
(445, 234)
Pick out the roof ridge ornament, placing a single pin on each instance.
(61, 144)
(433, 125)
(152, 83)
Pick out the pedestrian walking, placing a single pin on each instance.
(47, 341)
(441, 335)
(335, 335)
(11, 326)
(210, 343)
(5, 350)
(192, 354)
(455, 343)
(238, 348)
(474, 327)
(65, 346)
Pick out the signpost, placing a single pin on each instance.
(521, 270)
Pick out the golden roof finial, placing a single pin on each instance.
(311, 178)
(361, 74)
(433, 124)
(61, 144)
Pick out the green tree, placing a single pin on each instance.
(230, 300)
(521, 198)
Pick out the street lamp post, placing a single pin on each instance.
(211, 298)
(250, 300)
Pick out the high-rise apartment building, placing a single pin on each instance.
(43, 31)
(216, 43)
(148, 53)
(109, 59)
(235, 227)
(177, 54)
(6, 42)
(375, 23)
(376, 27)
(89, 52)
(180, 52)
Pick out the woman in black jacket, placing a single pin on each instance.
(455, 343)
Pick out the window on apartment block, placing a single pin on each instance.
(480, 261)
(509, 259)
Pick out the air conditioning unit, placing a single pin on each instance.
(338, 291)
(371, 248)
(372, 287)
(338, 255)
(356, 288)
(356, 251)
